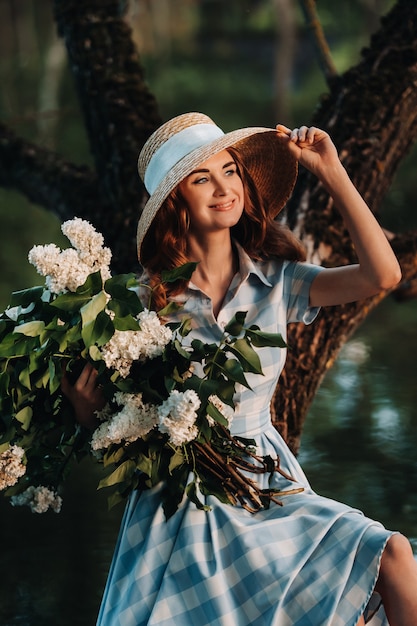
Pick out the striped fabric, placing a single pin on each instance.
(310, 562)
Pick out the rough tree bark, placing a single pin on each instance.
(370, 112)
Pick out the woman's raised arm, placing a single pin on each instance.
(378, 268)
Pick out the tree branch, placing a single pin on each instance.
(45, 178)
(312, 19)
(371, 114)
(119, 111)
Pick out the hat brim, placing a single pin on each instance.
(265, 154)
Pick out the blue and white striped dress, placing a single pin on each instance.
(311, 562)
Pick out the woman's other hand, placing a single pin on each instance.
(85, 396)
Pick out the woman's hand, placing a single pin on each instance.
(312, 147)
(378, 268)
(85, 396)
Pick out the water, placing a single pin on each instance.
(54, 566)
(360, 440)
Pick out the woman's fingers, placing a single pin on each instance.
(283, 129)
(87, 377)
(304, 134)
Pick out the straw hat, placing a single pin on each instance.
(177, 147)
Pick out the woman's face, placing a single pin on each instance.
(214, 194)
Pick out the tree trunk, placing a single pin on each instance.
(118, 109)
(371, 114)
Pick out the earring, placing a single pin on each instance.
(187, 221)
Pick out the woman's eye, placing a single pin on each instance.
(199, 181)
(231, 172)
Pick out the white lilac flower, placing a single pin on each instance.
(135, 420)
(225, 409)
(105, 413)
(83, 236)
(177, 416)
(11, 466)
(45, 258)
(156, 334)
(68, 269)
(69, 274)
(135, 345)
(39, 499)
(89, 245)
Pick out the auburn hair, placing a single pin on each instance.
(260, 235)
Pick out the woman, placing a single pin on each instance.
(213, 200)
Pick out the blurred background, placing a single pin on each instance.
(243, 62)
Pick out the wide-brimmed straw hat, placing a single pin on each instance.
(177, 147)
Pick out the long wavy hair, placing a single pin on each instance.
(166, 244)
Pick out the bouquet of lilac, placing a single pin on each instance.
(162, 422)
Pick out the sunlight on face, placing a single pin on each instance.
(214, 194)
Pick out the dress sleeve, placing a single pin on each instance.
(297, 282)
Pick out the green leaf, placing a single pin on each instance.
(97, 327)
(26, 296)
(210, 487)
(90, 310)
(98, 331)
(72, 336)
(192, 492)
(233, 370)
(95, 353)
(16, 344)
(184, 353)
(24, 416)
(144, 464)
(261, 339)
(126, 323)
(43, 380)
(174, 489)
(92, 285)
(124, 300)
(71, 301)
(126, 281)
(199, 349)
(114, 500)
(235, 326)
(4, 384)
(171, 307)
(224, 389)
(176, 460)
(121, 474)
(24, 378)
(54, 375)
(184, 272)
(30, 329)
(113, 457)
(216, 414)
(246, 355)
(185, 327)
(4, 447)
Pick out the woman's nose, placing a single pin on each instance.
(220, 187)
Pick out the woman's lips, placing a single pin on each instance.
(223, 206)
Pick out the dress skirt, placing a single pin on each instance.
(311, 562)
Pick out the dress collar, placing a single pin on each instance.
(247, 266)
